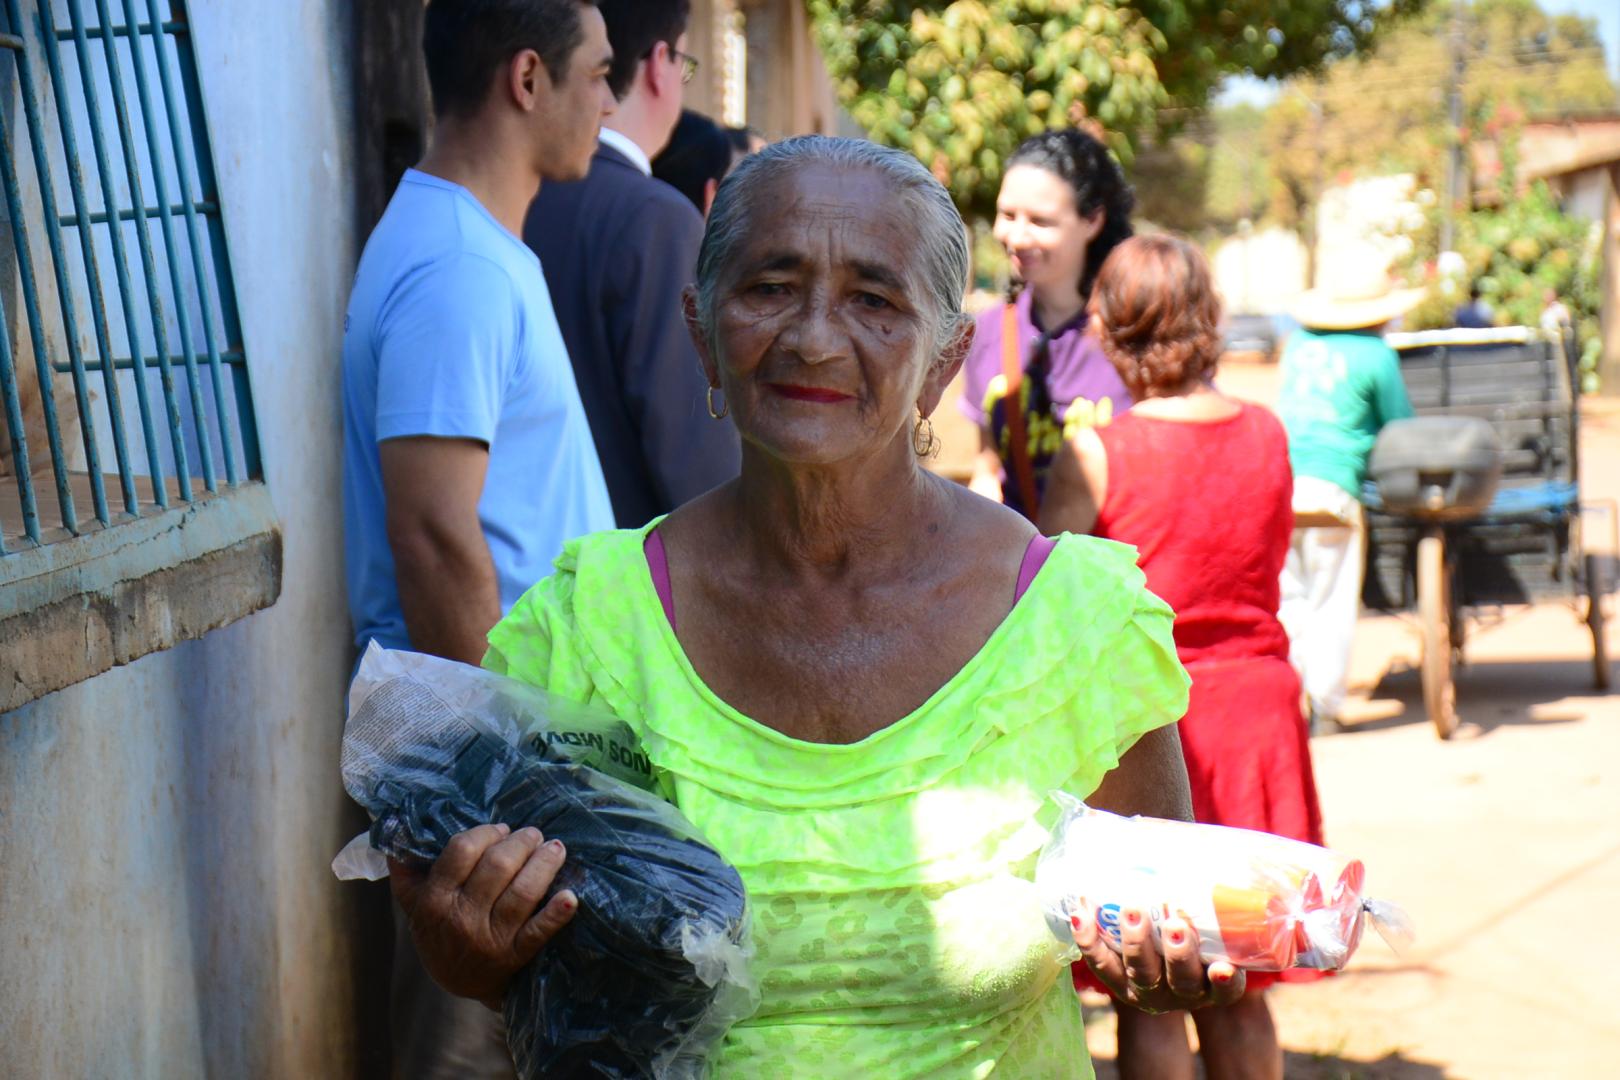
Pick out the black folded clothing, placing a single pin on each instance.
(627, 989)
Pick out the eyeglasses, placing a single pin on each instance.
(689, 64)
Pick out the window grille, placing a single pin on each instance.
(122, 373)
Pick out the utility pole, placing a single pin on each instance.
(1313, 220)
(1454, 162)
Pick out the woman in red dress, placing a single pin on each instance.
(1199, 483)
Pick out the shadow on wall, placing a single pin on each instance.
(240, 878)
(390, 100)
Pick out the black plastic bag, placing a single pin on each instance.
(652, 970)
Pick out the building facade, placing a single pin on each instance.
(166, 826)
(174, 649)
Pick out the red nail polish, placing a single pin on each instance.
(1222, 977)
(1133, 917)
(1175, 937)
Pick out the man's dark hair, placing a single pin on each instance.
(466, 41)
(634, 28)
(698, 152)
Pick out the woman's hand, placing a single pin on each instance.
(986, 480)
(985, 483)
(1149, 979)
(473, 912)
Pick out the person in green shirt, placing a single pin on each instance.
(860, 682)
(1341, 385)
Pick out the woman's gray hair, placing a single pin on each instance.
(940, 232)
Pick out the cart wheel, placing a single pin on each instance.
(1434, 608)
(1594, 620)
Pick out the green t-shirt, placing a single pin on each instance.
(1339, 389)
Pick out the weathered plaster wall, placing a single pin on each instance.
(165, 904)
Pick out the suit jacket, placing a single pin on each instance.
(617, 249)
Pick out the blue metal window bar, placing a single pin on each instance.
(118, 77)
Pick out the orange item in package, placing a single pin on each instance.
(1262, 902)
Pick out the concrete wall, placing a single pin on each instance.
(165, 904)
(789, 91)
(1261, 272)
(1609, 364)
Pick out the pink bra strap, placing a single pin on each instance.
(658, 566)
(1034, 558)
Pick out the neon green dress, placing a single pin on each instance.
(895, 922)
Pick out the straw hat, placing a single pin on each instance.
(1354, 293)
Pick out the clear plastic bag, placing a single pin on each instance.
(653, 969)
(1262, 902)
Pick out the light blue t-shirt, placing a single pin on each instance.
(450, 333)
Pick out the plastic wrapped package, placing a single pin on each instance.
(653, 968)
(1262, 902)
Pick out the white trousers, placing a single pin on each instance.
(1321, 592)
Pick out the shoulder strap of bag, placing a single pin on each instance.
(1012, 371)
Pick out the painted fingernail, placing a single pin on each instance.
(567, 901)
(1220, 975)
(1175, 937)
(1133, 917)
(555, 847)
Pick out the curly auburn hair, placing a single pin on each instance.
(1158, 316)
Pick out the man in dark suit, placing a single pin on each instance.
(618, 248)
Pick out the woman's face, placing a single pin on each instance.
(1039, 225)
(823, 342)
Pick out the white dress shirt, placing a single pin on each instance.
(626, 146)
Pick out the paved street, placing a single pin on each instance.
(1503, 844)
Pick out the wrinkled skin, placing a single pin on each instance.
(473, 913)
(835, 585)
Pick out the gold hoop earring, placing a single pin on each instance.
(923, 442)
(724, 408)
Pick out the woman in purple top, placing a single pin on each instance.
(1063, 206)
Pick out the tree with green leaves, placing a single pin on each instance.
(1385, 112)
(1207, 177)
(1515, 251)
(960, 84)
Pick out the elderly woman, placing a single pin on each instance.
(1199, 484)
(860, 682)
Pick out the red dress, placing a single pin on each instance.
(1208, 504)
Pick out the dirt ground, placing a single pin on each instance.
(1503, 845)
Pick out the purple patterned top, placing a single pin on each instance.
(1082, 389)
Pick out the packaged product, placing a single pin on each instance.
(1262, 902)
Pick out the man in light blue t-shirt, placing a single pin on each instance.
(468, 461)
(467, 458)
